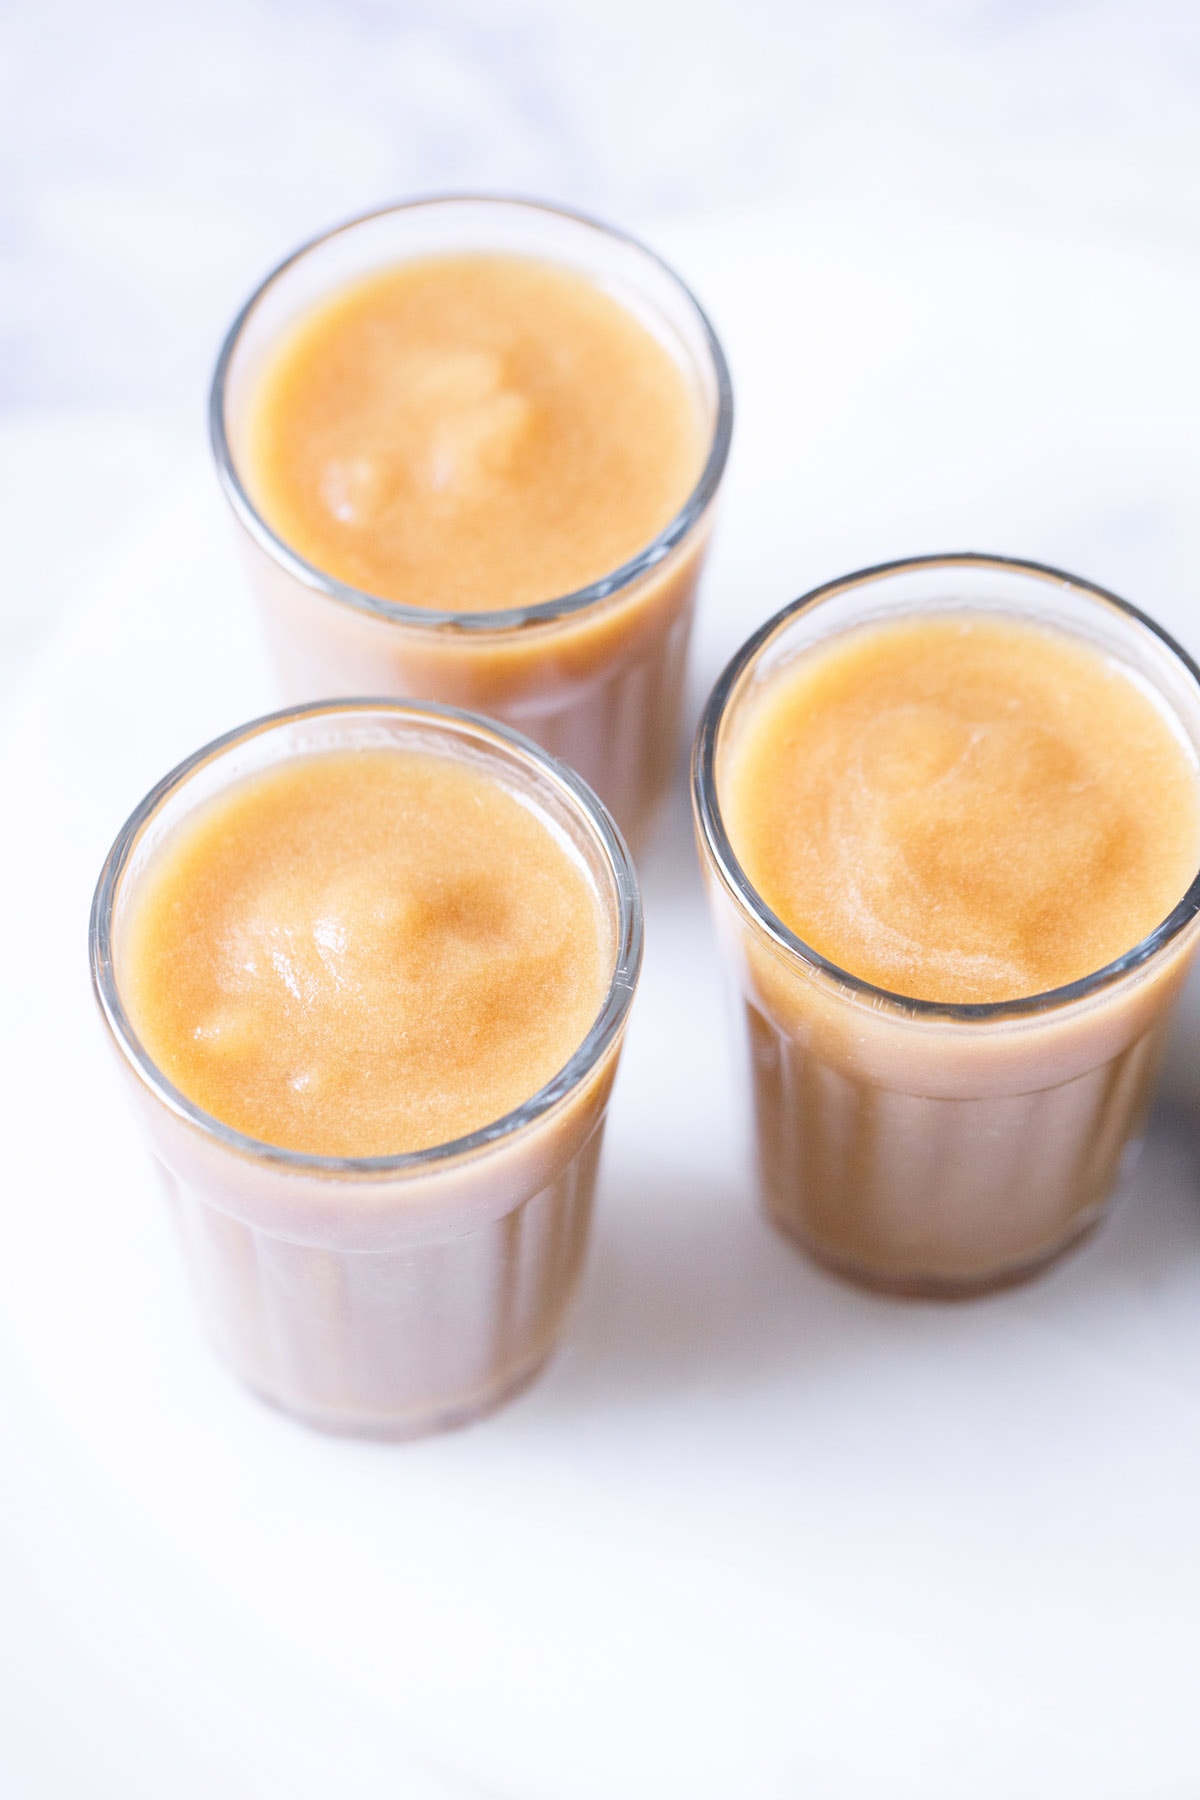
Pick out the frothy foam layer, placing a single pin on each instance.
(963, 807)
(471, 433)
(364, 952)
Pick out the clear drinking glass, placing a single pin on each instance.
(385, 1295)
(911, 1145)
(595, 676)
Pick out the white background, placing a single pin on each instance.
(754, 1534)
(156, 158)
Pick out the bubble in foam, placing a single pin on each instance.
(351, 489)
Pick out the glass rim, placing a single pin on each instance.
(716, 840)
(602, 1033)
(447, 619)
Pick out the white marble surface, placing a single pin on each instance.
(155, 159)
(758, 1535)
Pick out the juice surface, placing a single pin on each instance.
(471, 432)
(363, 952)
(962, 807)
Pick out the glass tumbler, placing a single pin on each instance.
(916, 1146)
(384, 1295)
(594, 676)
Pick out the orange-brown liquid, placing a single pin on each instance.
(364, 952)
(960, 807)
(471, 432)
(963, 807)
